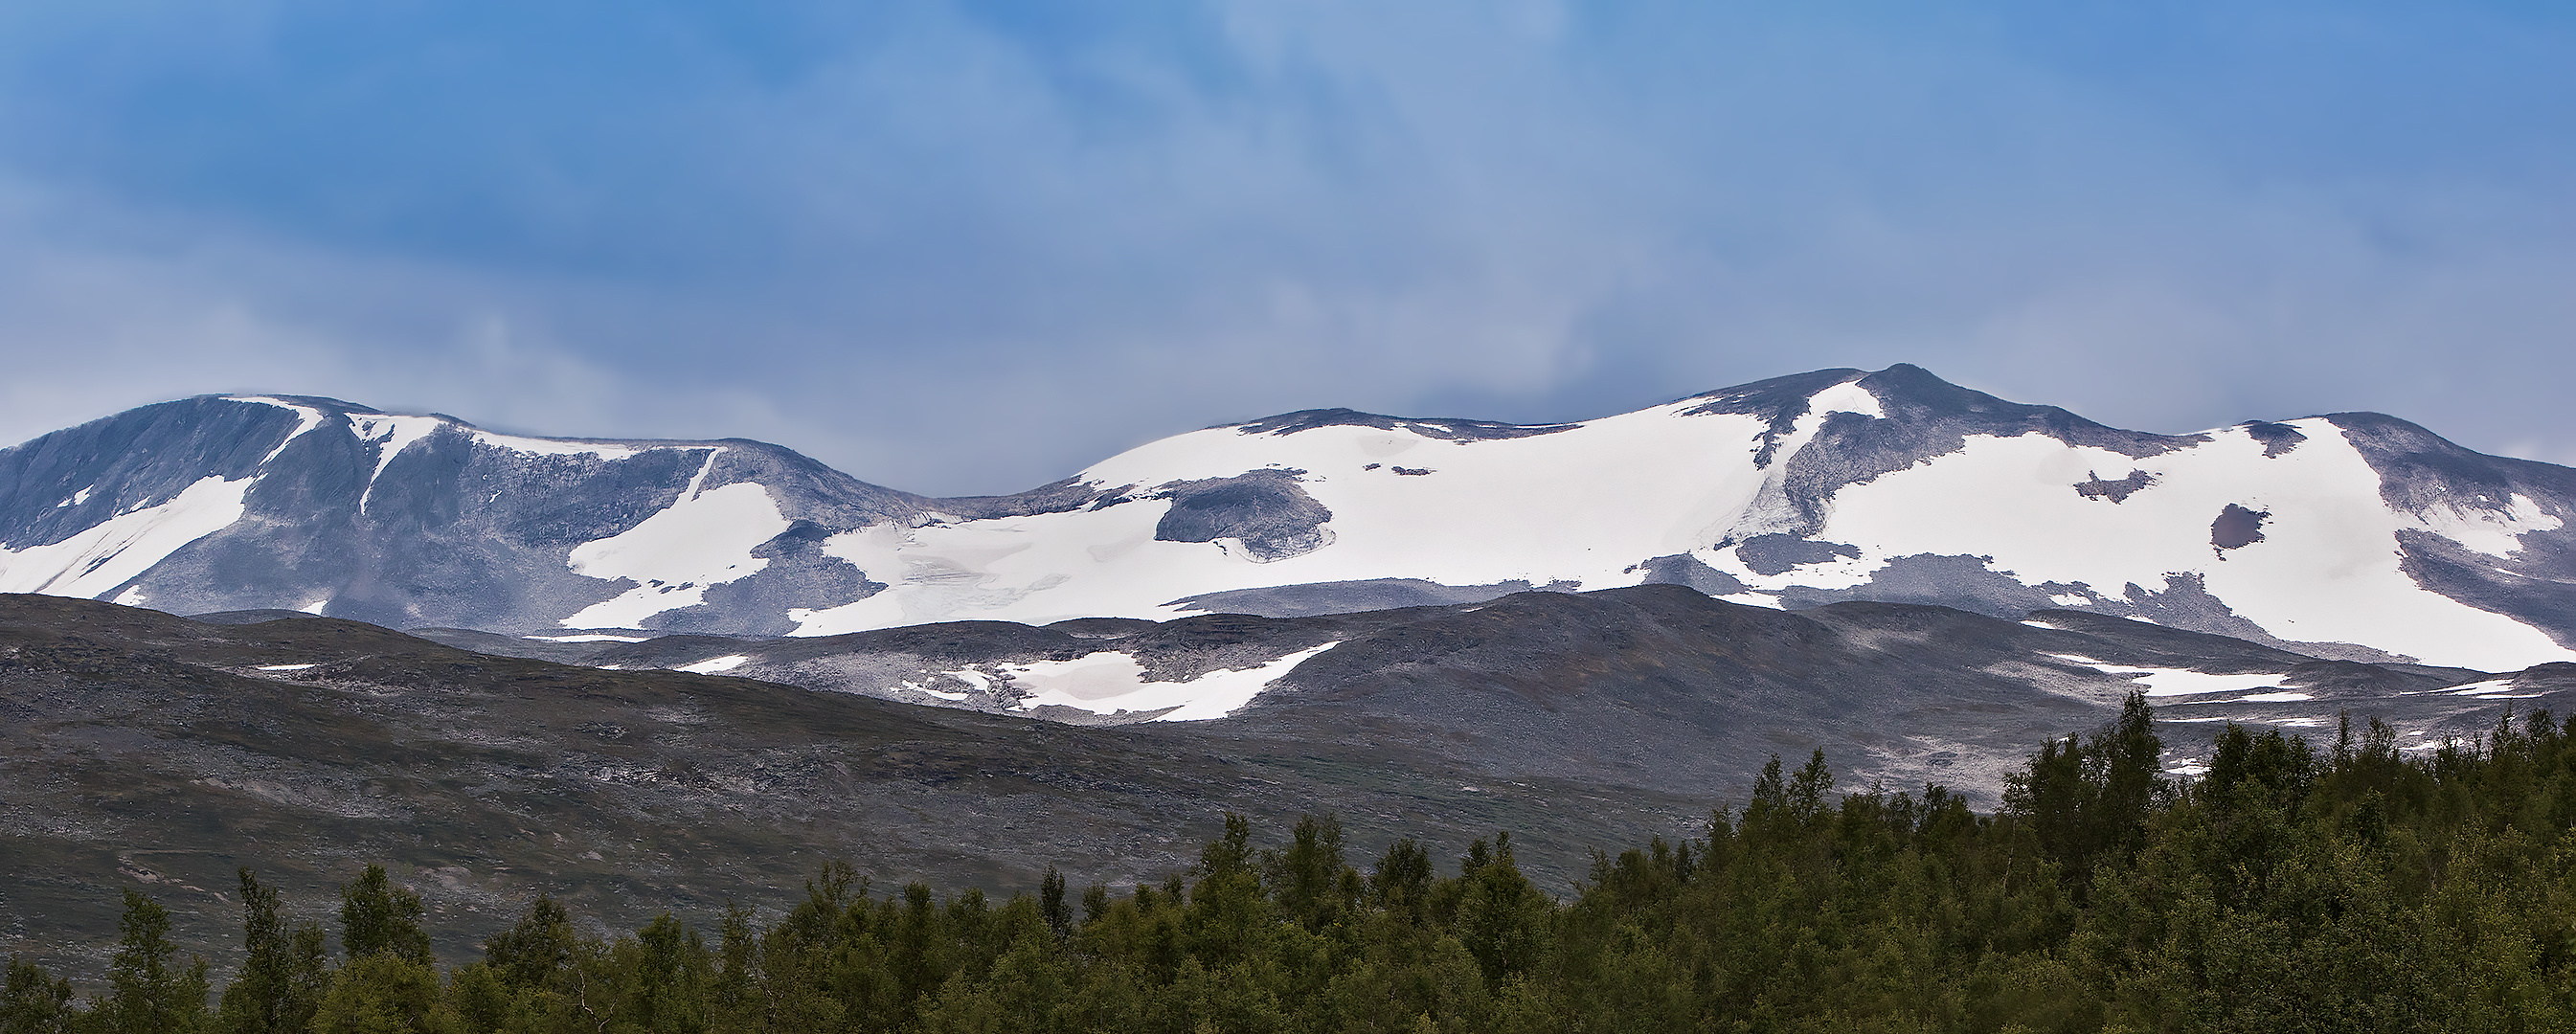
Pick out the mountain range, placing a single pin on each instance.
(635, 672)
(2348, 536)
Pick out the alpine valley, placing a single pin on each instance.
(646, 671)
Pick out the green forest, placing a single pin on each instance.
(2292, 886)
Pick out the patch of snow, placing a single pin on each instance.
(77, 498)
(2068, 599)
(554, 446)
(983, 683)
(116, 550)
(927, 691)
(2041, 624)
(713, 665)
(390, 434)
(287, 667)
(2179, 682)
(1848, 397)
(2479, 688)
(701, 539)
(315, 608)
(1111, 682)
(131, 597)
(587, 638)
(2270, 698)
(698, 481)
(2496, 534)
(307, 418)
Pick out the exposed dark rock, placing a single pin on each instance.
(1779, 554)
(1266, 509)
(2115, 491)
(2237, 527)
(1685, 569)
(2278, 439)
(1451, 430)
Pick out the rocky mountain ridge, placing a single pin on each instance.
(2350, 536)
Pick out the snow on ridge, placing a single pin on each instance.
(714, 665)
(391, 434)
(307, 418)
(553, 446)
(115, 551)
(1111, 682)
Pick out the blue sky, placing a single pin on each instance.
(962, 247)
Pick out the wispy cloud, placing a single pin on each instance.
(974, 246)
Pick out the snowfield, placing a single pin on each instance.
(1589, 505)
(94, 562)
(1112, 683)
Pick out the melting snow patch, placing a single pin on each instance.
(713, 665)
(703, 539)
(927, 691)
(285, 667)
(591, 638)
(315, 608)
(2496, 533)
(2269, 698)
(1110, 683)
(114, 551)
(2490, 686)
(2177, 682)
(2041, 624)
(131, 597)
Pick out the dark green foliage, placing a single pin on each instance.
(378, 918)
(2290, 888)
(532, 953)
(282, 976)
(2087, 799)
(148, 995)
(33, 1001)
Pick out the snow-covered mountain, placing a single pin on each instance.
(2351, 535)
